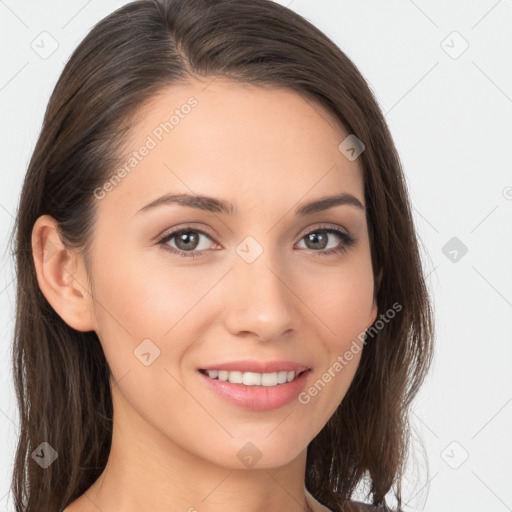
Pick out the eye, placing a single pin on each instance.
(187, 242)
(319, 239)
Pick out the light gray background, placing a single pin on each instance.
(450, 114)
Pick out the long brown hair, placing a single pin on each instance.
(61, 375)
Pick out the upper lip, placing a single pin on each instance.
(258, 366)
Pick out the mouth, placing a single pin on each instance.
(273, 386)
(271, 379)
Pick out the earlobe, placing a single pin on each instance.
(61, 276)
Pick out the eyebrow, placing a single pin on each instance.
(214, 205)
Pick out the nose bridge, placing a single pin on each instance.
(262, 302)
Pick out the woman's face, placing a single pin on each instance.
(260, 290)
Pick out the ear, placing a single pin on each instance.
(61, 276)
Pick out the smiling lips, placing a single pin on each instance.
(255, 373)
(252, 378)
(258, 366)
(257, 385)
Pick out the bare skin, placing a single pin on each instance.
(175, 442)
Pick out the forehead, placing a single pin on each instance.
(222, 138)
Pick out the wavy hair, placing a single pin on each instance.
(61, 375)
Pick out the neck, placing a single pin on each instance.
(147, 471)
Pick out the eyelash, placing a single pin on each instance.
(347, 241)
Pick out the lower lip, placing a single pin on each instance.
(258, 398)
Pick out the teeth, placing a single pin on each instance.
(282, 377)
(252, 378)
(235, 377)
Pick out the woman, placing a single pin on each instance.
(271, 364)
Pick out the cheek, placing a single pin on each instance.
(141, 315)
(342, 300)
(136, 301)
(144, 299)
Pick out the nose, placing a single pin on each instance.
(261, 300)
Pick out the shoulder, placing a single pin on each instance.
(350, 506)
(79, 505)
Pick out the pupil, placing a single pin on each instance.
(314, 238)
(185, 238)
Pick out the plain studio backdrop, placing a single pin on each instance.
(442, 74)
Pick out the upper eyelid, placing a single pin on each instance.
(174, 232)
